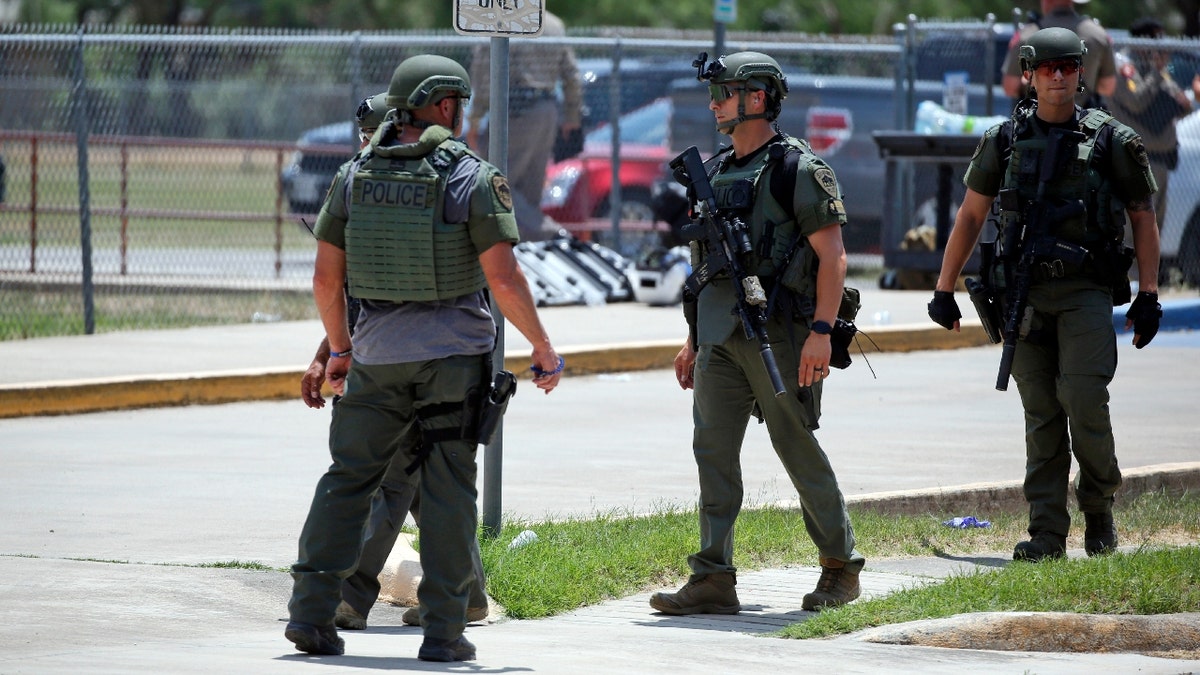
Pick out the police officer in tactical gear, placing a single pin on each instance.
(1066, 355)
(1149, 100)
(791, 202)
(397, 494)
(416, 229)
(1099, 76)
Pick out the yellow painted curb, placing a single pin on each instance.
(82, 396)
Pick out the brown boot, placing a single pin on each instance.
(348, 618)
(412, 615)
(702, 594)
(837, 586)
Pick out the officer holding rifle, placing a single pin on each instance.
(1067, 179)
(761, 307)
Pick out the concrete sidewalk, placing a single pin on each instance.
(112, 520)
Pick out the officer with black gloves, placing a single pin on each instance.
(1066, 352)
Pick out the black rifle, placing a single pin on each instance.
(1036, 246)
(726, 241)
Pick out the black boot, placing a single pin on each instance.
(1041, 545)
(1099, 535)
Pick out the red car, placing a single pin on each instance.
(578, 189)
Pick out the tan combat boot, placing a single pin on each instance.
(702, 594)
(348, 618)
(412, 615)
(836, 587)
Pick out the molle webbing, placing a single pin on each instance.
(398, 246)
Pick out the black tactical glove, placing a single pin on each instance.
(1145, 313)
(943, 309)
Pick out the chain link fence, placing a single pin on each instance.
(160, 178)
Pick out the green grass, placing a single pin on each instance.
(34, 314)
(1147, 581)
(583, 562)
(159, 180)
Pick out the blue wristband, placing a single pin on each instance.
(542, 373)
(338, 355)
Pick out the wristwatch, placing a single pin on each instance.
(822, 328)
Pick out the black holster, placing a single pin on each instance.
(1113, 265)
(988, 306)
(494, 403)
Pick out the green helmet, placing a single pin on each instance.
(1049, 44)
(756, 69)
(426, 79)
(371, 111)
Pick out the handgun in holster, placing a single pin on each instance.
(983, 294)
(504, 385)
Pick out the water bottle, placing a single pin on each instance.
(934, 119)
(526, 537)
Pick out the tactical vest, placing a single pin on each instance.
(399, 247)
(1077, 178)
(737, 191)
(745, 192)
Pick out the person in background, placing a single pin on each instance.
(397, 494)
(1148, 99)
(420, 230)
(1099, 68)
(536, 117)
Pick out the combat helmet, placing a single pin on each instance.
(756, 70)
(1049, 44)
(426, 79)
(371, 112)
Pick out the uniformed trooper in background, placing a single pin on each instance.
(725, 369)
(417, 229)
(1149, 100)
(1067, 354)
(1099, 74)
(397, 494)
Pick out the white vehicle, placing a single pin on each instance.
(1180, 236)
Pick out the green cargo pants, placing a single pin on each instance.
(1062, 373)
(380, 406)
(729, 378)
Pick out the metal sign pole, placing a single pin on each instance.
(499, 20)
(493, 455)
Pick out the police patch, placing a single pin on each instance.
(979, 147)
(1139, 153)
(503, 192)
(825, 178)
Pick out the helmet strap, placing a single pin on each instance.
(727, 127)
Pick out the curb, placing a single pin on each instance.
(69, 397)
(982, 498)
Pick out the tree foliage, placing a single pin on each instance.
(808, 16)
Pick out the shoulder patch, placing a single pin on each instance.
(1139, 153)
(979, 147)
(502, 191)
(828, 182)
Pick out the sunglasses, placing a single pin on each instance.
(1067, 66)
(720, 92)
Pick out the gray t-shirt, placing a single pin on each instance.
(388, 332)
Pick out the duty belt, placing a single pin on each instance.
(530, 94)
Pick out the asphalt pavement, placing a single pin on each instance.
(113, 519)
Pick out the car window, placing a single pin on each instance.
(647, 125)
